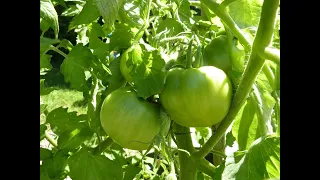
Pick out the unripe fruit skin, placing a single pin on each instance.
(130, 121)
(197, 97)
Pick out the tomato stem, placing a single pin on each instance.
(184, 141)
(195, 3)
(173, 38)
(58, 51)
(225, 3)
(222, 13)
(103, 146)
(188, 165)
(269, 74)
(189, 54)
(271, 54)
(220, 147)
(255, 64)
(50, 139)
(277, 110)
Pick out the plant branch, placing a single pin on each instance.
(50, 139)
(58, 51)
(184, 142)
(225, 17)
(271, 54)
(225, 3)
(269, 74)
(173, 38)
(103, 146)
(195, 3)
(189, 54)
(255, 63)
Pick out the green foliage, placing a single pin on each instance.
(99, 46)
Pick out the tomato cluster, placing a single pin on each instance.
(192, 97)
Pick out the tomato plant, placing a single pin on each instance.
(159, 89)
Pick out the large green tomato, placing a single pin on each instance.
(216, 53)
(130, 121)
(197, 97)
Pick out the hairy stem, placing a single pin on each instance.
(184, 141)
(269, 74)
(103, 146)
(58, 51)
(189, 54)
(255, 63)
(271, 54)
(277, 110)
(220, 147)
(225, 17)
(173, 38)
(195, 3)
(225, 3)
(50, 139)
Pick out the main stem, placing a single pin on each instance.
(184, 141)
(255, 63)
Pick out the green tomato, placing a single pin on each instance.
(237, 55)
(216, 53)
(130, 121)
(197, 97)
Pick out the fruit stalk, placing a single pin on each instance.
(255, 64)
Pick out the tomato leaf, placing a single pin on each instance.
(44, 90)
(45, 64)
(99, 48)
(184, 11)
(43, 173)
(122, 37)
(171, 26)
(49, 14)
(45, 44)
(84, 165)
(54, 167)
(88, 14)
(74, 65)
(130, 171)
(148, 69)
(43, 107)
(44, 26)
(246, 125)
(245, 13)
(74, 138)
(109, 10)
(202, 134)
(66, 44)
(261, 161)
(45, 153)
(61, 120)
(230, 139)
(133, 12)
(73, 10)
(116, 153)
(43, 129)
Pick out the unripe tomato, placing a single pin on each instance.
(216, 53)
(197, 97)
(130, 121)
